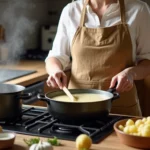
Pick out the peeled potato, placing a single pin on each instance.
(126, 130)
(1, 129)
(140, 127)
(148, 118)
(121, 127)
(83, 141)
(144, 120)
(129, 122)
(138, 122)
(147, 122)
(145, 132)
(132, 129)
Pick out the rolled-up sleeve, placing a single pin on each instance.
(61, 48)
(143, 34)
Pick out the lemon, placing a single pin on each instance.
(83, 141)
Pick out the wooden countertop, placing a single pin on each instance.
(110, 143)
(39, 66)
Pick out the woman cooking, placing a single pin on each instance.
(107, 41)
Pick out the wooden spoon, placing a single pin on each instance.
(69, 94)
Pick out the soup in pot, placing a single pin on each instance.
(84, 97)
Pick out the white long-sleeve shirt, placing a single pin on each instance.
(137, 18)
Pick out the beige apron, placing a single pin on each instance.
(98, 54)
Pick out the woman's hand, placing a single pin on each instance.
(57, 79)
(124, 81)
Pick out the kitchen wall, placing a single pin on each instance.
(29, 16)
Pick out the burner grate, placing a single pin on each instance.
(38, 122)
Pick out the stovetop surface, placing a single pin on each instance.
(38, 122)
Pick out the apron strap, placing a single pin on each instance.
(82, 20)
(122, 11)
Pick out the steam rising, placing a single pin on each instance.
(18, 28)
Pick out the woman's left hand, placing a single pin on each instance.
(124, 81)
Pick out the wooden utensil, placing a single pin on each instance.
(69, 94)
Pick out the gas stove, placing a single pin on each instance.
(38, 122)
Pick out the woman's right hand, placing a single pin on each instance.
(57, 79)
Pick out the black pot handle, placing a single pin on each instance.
(25, 96)
(43, 98)
(114, 92)
(116, 96)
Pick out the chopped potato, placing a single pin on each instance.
(140, 127)
(147, 122)
(129, 122)
(126, 130)
(138, 122)
(148, 118)
(145, 132)
(132, 129)
(144, 120)
(121, 127)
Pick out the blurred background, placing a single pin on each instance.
(30, 27)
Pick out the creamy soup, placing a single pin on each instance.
(81, 97)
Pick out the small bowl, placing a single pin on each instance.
(7, 140)
(131, 140)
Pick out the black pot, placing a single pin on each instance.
(79, 111)
(10, 101)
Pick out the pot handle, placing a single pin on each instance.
(116, 96)
(42, 98)
(25, 96)
(114, 92)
